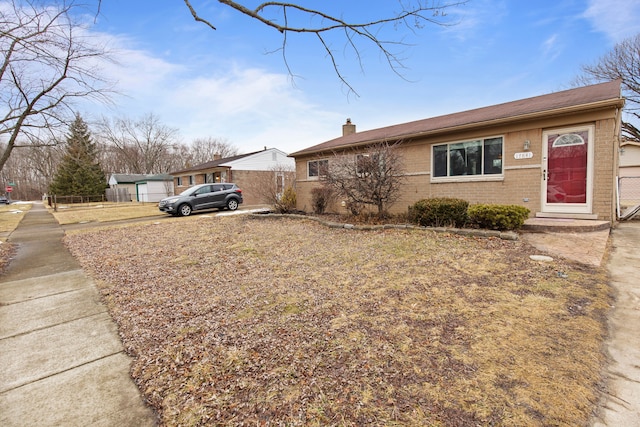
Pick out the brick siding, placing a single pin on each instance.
(522, 177)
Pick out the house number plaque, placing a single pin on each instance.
(525, 155)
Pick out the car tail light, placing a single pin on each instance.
(238, 190)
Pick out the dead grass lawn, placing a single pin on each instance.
(240, 321)
(103, 212)
(10, 217)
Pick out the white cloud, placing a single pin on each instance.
(618, 19)
(244, 105)
(473, 17)
(551, 48)
(140, 72)
(250, 107)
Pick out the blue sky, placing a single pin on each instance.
(225, 83)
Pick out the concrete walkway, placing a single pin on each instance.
(620, 405)
(61, 360)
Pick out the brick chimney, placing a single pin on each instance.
(348, 128)
(217, 156)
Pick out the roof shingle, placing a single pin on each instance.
(511, 110)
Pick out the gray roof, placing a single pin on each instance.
(123, 178)
(214, 163)
(515, 110)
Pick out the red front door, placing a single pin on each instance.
(566, 172)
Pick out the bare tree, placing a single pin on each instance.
(373, 176)
(47, 64)
(291, 18)
(203, 150)
(142, 146)
(31, 169)
(621, 63)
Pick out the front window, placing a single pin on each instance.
(363, 165)
(317, 168)
(479, 157)
(191, 180)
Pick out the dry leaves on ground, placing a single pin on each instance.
(6, 252)
(240, 321)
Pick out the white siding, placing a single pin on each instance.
(630, 155)
(263, 161)
(143, 194)
(154, 191)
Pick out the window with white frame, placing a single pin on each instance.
(191, 180)
(317, 168)
(477, 158)
(179, 181)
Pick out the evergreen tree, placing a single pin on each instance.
(79, 173)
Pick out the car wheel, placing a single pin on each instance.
(232, 204)
(184, 210)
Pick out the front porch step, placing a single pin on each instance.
(563, 225)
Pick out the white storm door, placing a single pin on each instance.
(567, 170)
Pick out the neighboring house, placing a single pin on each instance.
(139, 187)
(555, 154)
(252, 172)
(630, 159)
(629, 173)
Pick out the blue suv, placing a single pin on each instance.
(203, 196)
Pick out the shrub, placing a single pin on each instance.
(498, 217)
(355, 208)
(287, 202)
(321, 197)
(439, 212)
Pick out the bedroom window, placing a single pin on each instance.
(317, 168)
(479, 157)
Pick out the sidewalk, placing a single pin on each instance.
(61, 359)
(620, 404)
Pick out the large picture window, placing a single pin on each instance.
(317, 168)
(470, 158)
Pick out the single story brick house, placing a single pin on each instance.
(251, 172)
(139, 187)
(555, 154)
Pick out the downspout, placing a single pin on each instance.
(616, 167)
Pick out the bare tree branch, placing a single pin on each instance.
(142, 145)
(621, 63)
(47, 64)
(295, 18)
(373, 175)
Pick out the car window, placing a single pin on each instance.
(218, 187)
(204, 190)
